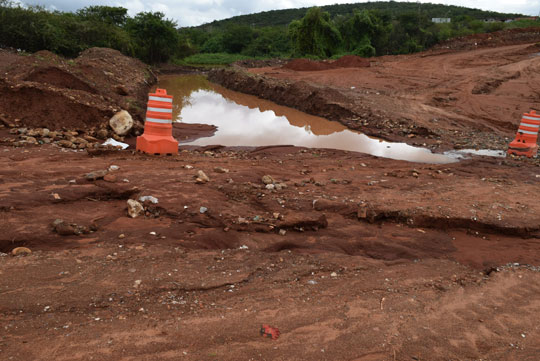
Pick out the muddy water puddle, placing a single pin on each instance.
(245, 120)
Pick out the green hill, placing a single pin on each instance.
(394, 9)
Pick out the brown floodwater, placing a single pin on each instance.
(246, 120)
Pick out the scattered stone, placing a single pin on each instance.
(31, 140)
(333, 274)
(266, 179)
(135, 209)
(56, 196)
(221, 170)
(187, 166)
(121, 123)
(95, 175)
(202, 177)
(21, 251)
(312, 282)
(114, 167)
(276, 215)
(121, 236)
(102, 134)
(66, 144)
(153, 233)
(152, 199)
(270, 187)
(65, 229)
(282, 232)
(203, 210)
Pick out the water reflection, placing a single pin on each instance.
(245, 120)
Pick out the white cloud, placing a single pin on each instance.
(191, 13)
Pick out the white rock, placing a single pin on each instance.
(135, 209)
(121, 122)
(148, 198)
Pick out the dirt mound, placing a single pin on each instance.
(305, 65)
(351, 61)
(46, 90)
(347, 61)
(59, 78)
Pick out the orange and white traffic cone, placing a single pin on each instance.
(157, 137)
(526, 137)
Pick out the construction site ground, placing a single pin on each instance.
(351, 257)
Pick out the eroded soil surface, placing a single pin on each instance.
(350, 256)
(358, 258)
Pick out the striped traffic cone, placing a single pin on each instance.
(526, 137)
(157, 137)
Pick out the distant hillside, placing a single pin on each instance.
(284, 17)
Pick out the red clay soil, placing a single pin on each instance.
(358, 258)
(348, 61)
(44, 90)
(349, 256)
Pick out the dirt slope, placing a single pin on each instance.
(44, 90)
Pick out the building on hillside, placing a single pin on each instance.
(441, 20)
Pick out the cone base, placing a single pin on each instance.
(157, 144)
(523, 150)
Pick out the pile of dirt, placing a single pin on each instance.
(347, 61)
(44, 90)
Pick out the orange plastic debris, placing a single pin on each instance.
(157, 137)
(269, 331)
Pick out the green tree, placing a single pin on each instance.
(236, 38)
(155, 38)
(315, 34)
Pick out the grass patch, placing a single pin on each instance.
(524, 23)
(211, 59)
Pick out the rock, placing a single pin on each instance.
(134, 208)
(114, 167)
(201, 176)
(266, 179)
(221, 170)
(121, 122)
(98, 174)
(121, 90)
(143, 199)
(44, 132)
(65, 144)
(102, 134)
(110, 178)
(64, 229)
(31, 140)
(333, 274)
(270, 187)
(282, 232)
(21, 251)
(203, 210)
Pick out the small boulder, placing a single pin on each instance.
(121, 122)
(134, 208)
(221, 170)
(95, 175)
(202, 177)
(266, 179)
(21, 251)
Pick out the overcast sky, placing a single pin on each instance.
(197, 12)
